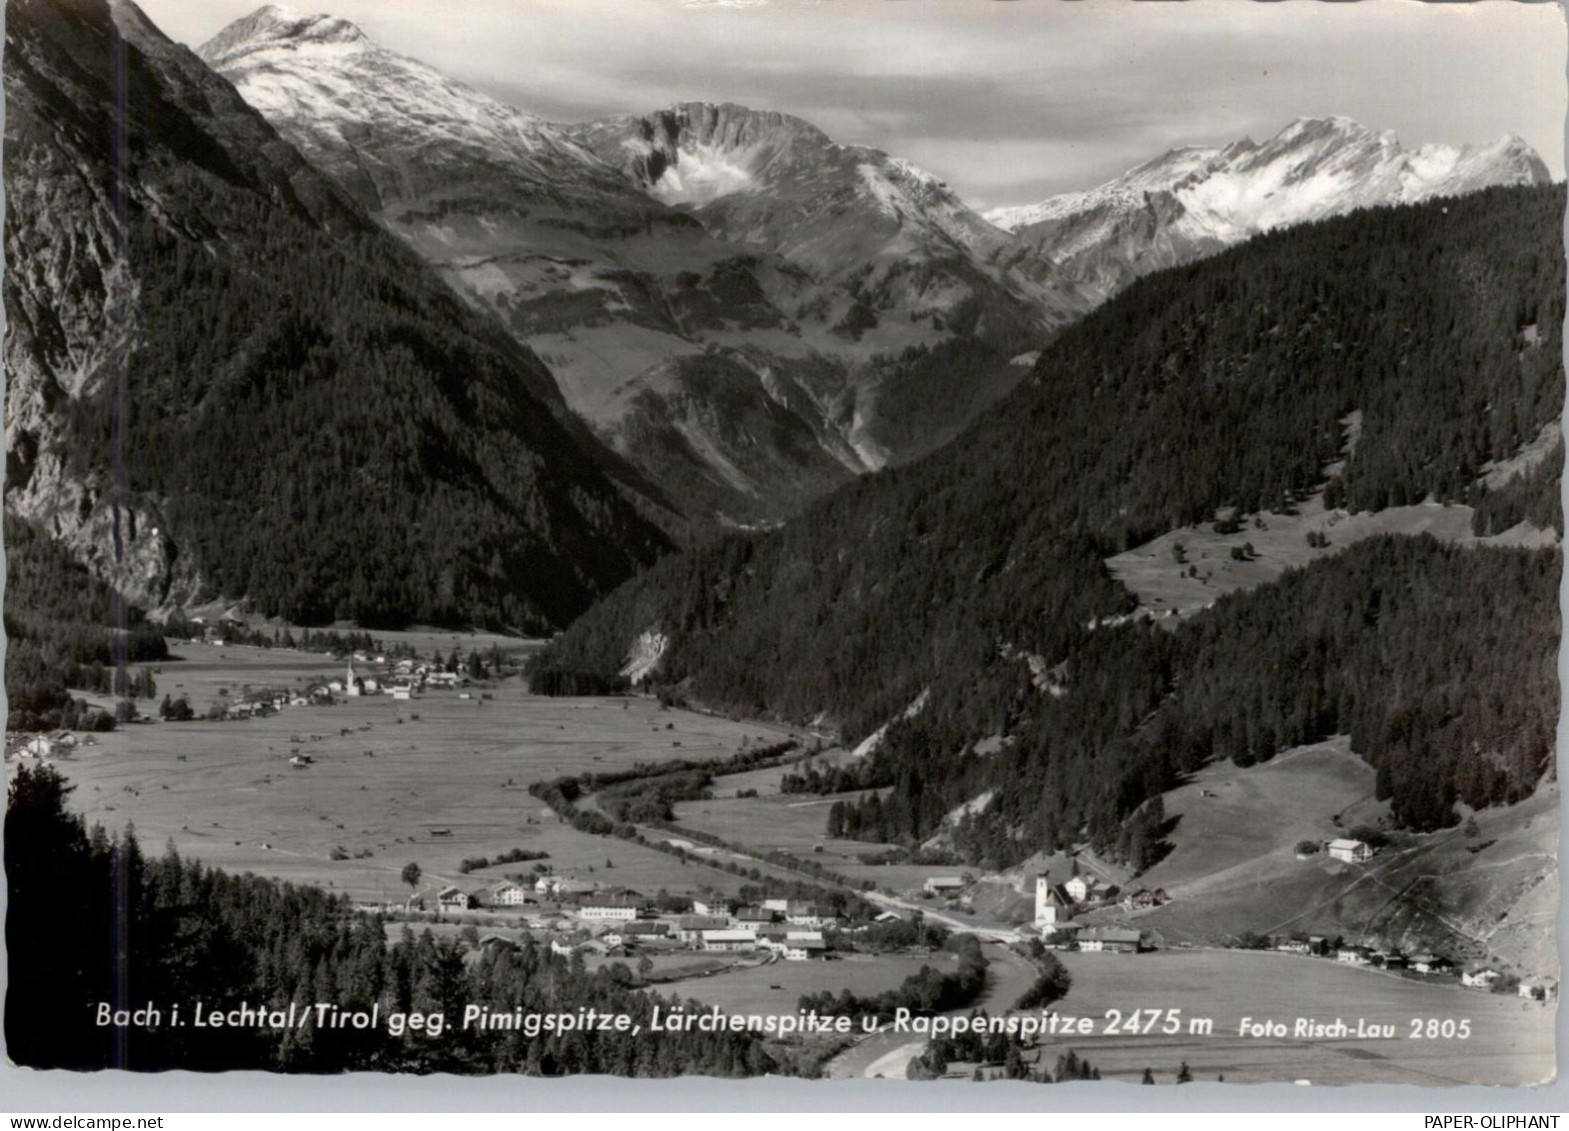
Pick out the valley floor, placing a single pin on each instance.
(443, 777)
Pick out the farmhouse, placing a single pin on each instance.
(645, 929)
(1431, 964)
(729, 940)
(1121, 940)
(1061, 933)
(1350, 851)
(557, 886)
(750, 918)
(1533, 990)
(800, 950)
(1086, 889)
(568, 944)
(690, 928)
(1143, 900)
(804, 914)
(943, 885)
(619, 907)
(453, 899)
(713, 905)
(1354, 955)
(39, 746)
(508, 894)
(1291, 944)
(1480, 979)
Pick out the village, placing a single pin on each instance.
(409, 753)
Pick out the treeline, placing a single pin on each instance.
(136, 930)
(927, 991)
(66, 629)
(996, 1051)
(510, 856)
(831, 779)
(556, 682)
(1534, 496)
(179, 626)
(1219, 385)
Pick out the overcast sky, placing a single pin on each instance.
(1008, 102)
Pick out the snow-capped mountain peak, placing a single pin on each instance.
(1195, 200)
(385, 125)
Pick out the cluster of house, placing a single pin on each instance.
(792, 929)
(1353, 954)
(55, 744)
(402, 680)
(1056, 904)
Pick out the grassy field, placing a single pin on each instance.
(200, 671)
(385, 774)
(1489, 897)
(795, 823)
(1156, 577)
(1234, 825)
(776, 987)
(1511, 1041)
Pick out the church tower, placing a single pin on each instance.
(1047, 905)
(351, 686)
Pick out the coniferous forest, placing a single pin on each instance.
(181, 933)
(316, 420)
(1220, 385)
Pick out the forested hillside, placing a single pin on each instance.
(1219, 385)
(190, 935)
(64, 629)
(226, 381)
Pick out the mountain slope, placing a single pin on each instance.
(896, 235)
(1216, 386)
(1194, 201)
(637, 298)
(225, 380)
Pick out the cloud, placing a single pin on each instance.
(998, 98)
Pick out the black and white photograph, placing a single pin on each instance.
(827, 539)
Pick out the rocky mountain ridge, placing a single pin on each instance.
(225, 380)
(1193, 201)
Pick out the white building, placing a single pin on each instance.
(944, 885)
(1122, 940)
(1079, 888)
(1350, 851)
(613, 907)
(1480, 979)
(800, 950)
(454, 899)
(508, 894)
(729, 940)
